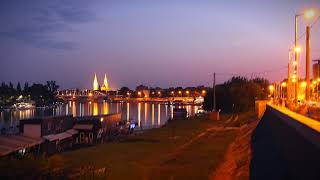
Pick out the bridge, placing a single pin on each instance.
(86, 94)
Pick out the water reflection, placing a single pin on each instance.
(145, 114)
(152, 115)
(159, 114)
(139, 114)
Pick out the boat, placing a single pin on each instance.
(24, 105)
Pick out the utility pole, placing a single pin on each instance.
(289, 81)
(296, 60)
(308, 63)
(214, 92)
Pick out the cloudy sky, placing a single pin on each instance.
(157, 43)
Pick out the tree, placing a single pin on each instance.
(11, 85)
(19, 87)
(237, 94)
(141, 87)
(26, 86)
(52, 86)
(124, 90)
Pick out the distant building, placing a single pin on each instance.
(95, 83)
(316, 70)
(105, 86)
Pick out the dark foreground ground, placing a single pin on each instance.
(184, 149)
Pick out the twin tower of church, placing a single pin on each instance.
(105, 85)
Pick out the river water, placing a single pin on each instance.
(146, 114)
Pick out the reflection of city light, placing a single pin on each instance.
(152, 115)
(159, 112)
(95, 109)
(304, 84)
(139, 114)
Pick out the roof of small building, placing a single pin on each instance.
(12, 143)
(83, 126)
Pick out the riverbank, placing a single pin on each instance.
(183, 149)
(236, 163)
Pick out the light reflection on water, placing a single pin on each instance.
(145, 114)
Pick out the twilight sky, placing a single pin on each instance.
(157, 43)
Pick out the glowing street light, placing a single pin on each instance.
(297, 49)
(283, 84)
(203, 92)
(139, 93)
(310, 13)
(304, 84)
(271, 89)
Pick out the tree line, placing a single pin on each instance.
(162, 92)
(42, 94)
(238, 94)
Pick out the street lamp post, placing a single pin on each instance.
(308, 15)
(296, 59)
(288, 82)
(308, 63)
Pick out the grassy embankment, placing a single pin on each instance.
(184, 149)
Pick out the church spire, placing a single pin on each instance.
(95, 83)
(105, 86)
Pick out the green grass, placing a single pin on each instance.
(149, 155)
(156, 153)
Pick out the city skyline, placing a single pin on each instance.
(167, 43)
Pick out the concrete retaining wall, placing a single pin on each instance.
(283, 148)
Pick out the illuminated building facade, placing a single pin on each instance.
(95, 83)
(105, 86)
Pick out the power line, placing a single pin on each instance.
(252, 73)
(311, 26)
